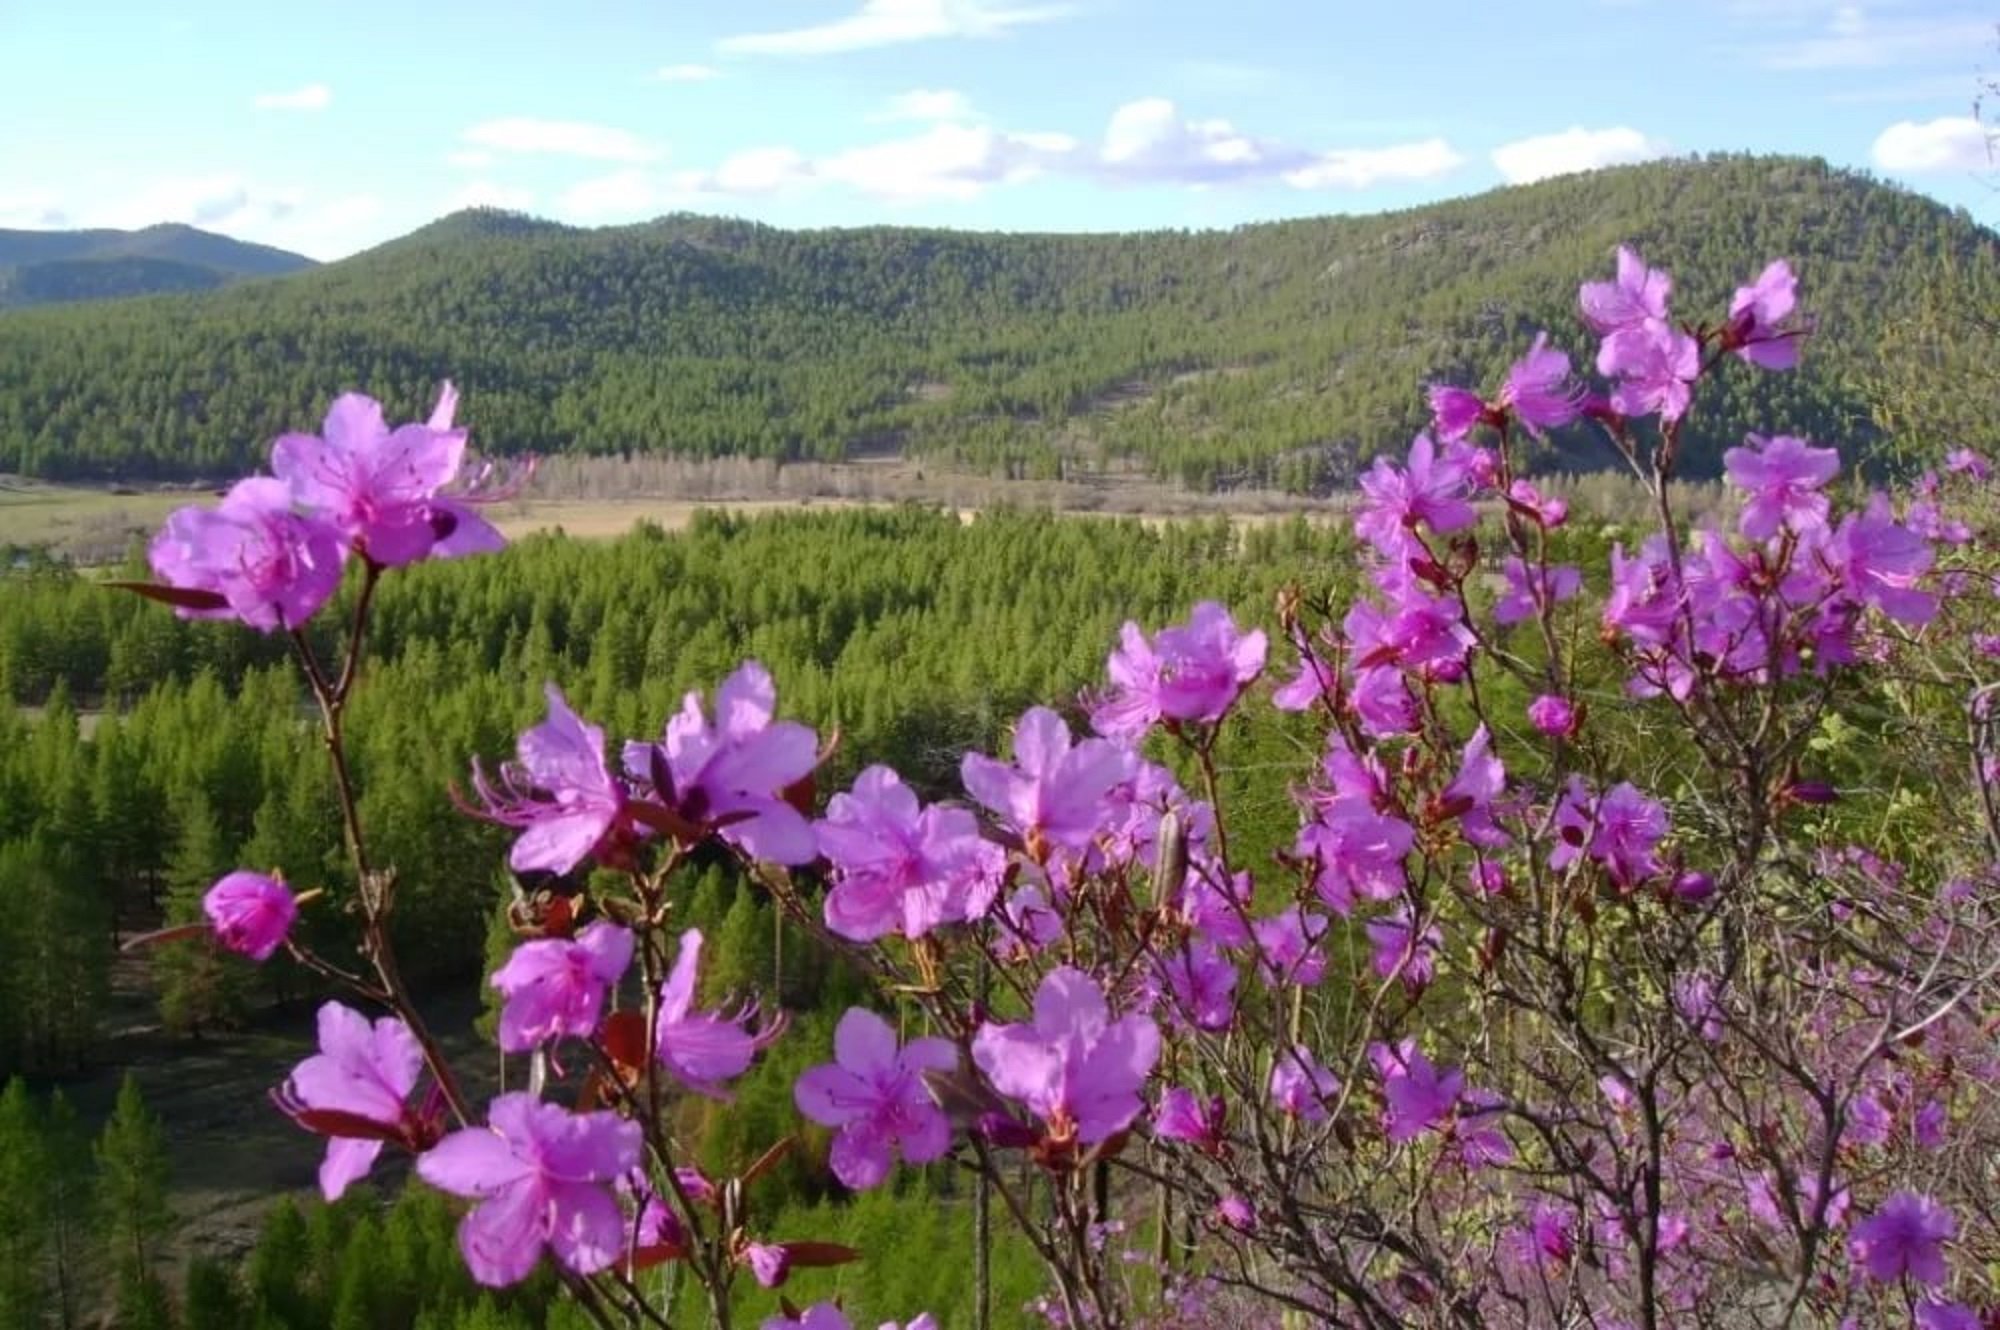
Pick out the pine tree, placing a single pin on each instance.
(24, 1220)
(199, 986)
(133, 1214)
(69, 1196)
(213, 1300)
(277, 1272)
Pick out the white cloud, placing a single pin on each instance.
(622, 195)
(890, 22)
(927, 104)
(1574, 149)
(1148, 141)
(1852, 38)
(763, 171)
(312, 97)
(945, 161)
(33, 209)
(490, 194)
(1359, 168)
(687, 73)
(567, 138)
(1950, 143)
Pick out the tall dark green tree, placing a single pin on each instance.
(24, 1217)
(133, 1215)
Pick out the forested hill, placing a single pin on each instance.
(1281, 354)
(47, 267)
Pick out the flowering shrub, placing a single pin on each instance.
(1565, 1006)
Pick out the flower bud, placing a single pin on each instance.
(1554, 716)
(251, 913)
(1693, 887)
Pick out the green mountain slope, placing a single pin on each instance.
(1282, 354)
(49, 267)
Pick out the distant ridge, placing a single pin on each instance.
(1283, 354)
(50, 267)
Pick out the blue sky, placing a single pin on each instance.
(329, 127)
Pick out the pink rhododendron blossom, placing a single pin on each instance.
(542, 1177)
(1201, 982)
(355, 1091)
(1029, 918)
(770, 1264)
(1356, 851)
(1300, 1086)
(874, 1095)
(1544, 510)
(250, 913)
(1933, 1315)
(1454, 411)
(1528, 590)
(1882, 562)
(1547, 1240)
(379, 486)
(1184, 1116)
(1965, 462)
(1054, 792)
(704, 1048)
(1538, 391)
(1629, 826)
(1470, 797)
(899, 867)
(1402, 953)
(1073, 1066)
(1553, 716)
(1191, 672)
(556, 986)
(1638, 294)
(1755, 313)
(1288, 947)
(1431, 491)
(272, 567)
(1656, 365)
(1782, 477)
(558, 791)
(1417, 1096)
(1905, 1236)
(734, 774)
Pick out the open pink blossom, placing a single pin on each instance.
(270, 567)
(874, 1094)
(1300, 1086)
(735, 774)
(901, 867)
(380, 487)
(1183, 1116)
(556, 986)
(1072, 1065)
(1782, 477)
(1757, 313)
(1191, 672)
(543, 1177)
(1639, 293)
(1054, 792)
(558, 791)
(355, 1091)
(1417, 1095)
(703, 1049)
(250, 913)
(1905, 1236)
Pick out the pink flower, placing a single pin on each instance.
(1192, 672)
(1288, 947)
(704, 1048)
(1356, 850)
(1417, 1096)
(265, 565)
(899, 867)
(1656, 365)
(1629, 826)
(1639, 293)
(1182, 1116)
(733, 776)
(250, 913)
(1965, 462)
(1073, 1066)
(542, 1176)
(1881, 563)
(354, 1091)
(1905, 1236)
(819, 1316)
(1528, 591)
(875, 1095)
(1236, 1213)
(380, 487)
(1401, 952)
(1202, 983)
(1054, 792)
(1538, 390)
(1300, 1086)
(1756, 311)
(1548, 511)
(558, 791)
(1782, 476)
(555, 986)
(1553, 716)
(1431, 491)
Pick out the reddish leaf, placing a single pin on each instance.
(623, 1039)
(645, 1258)
(808, 1255)
(178, 933)
(768, 1160)
(184, 597)
(352, 1126)
(664, 820)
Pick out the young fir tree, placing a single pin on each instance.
(213, 1299)
(199, 986)
(69, 1204)
(133, 1215)
(24, 1221)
